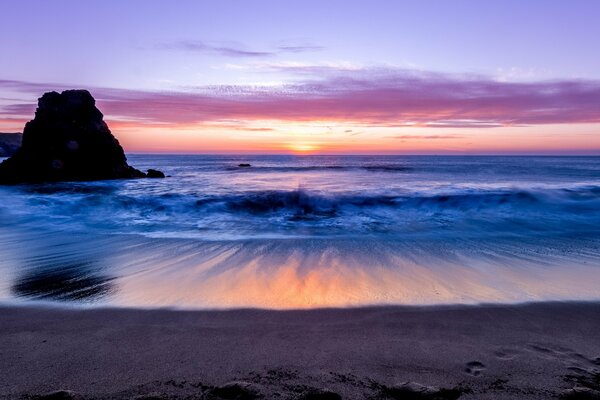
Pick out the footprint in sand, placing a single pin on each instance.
(506, 354)
(542, 350)
(474, 368)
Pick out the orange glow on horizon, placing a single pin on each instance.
(274, 137)
(332, 137)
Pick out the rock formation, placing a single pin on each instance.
(67, 140)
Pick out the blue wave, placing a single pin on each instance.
(305, 202)
(341, 195)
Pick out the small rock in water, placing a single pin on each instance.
(244, 165)
(153, 173)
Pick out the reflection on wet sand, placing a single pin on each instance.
(131, 270)
(74, 282)
(321, 273)
(59, 266)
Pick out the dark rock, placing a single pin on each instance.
(244, 165)
(9, 143)
(153, 173)
(67, 140)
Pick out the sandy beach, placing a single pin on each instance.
(532, 351)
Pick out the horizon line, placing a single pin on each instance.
(370, 154)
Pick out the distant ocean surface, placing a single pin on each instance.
(308, 231)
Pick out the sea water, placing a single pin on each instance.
(308, 231)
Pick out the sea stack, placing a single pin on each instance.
(67, 140)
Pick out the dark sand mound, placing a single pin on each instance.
(67, 140)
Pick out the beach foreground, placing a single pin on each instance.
(533, 351)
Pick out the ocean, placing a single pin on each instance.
(308, 231)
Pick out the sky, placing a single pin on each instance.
(315, 77)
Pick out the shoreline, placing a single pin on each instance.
(75, 306)
(132, 271)
(492, 351)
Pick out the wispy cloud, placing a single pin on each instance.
(298, 47)
(300, 68)
(255, 129)
(18, 109)
(228, 50)
(237, 50)
(369, 97)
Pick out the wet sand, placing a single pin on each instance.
(533, 351)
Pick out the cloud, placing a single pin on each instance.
(256, 129)
(237, 50)
(18, 109)
(228, 50)
(302, 68)
(298, 47)
(365, 97)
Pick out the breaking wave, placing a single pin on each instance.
(294, 212)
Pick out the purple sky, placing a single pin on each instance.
(323, 76)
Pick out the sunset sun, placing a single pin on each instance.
(303, 147)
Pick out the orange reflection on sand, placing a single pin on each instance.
(281, 276)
